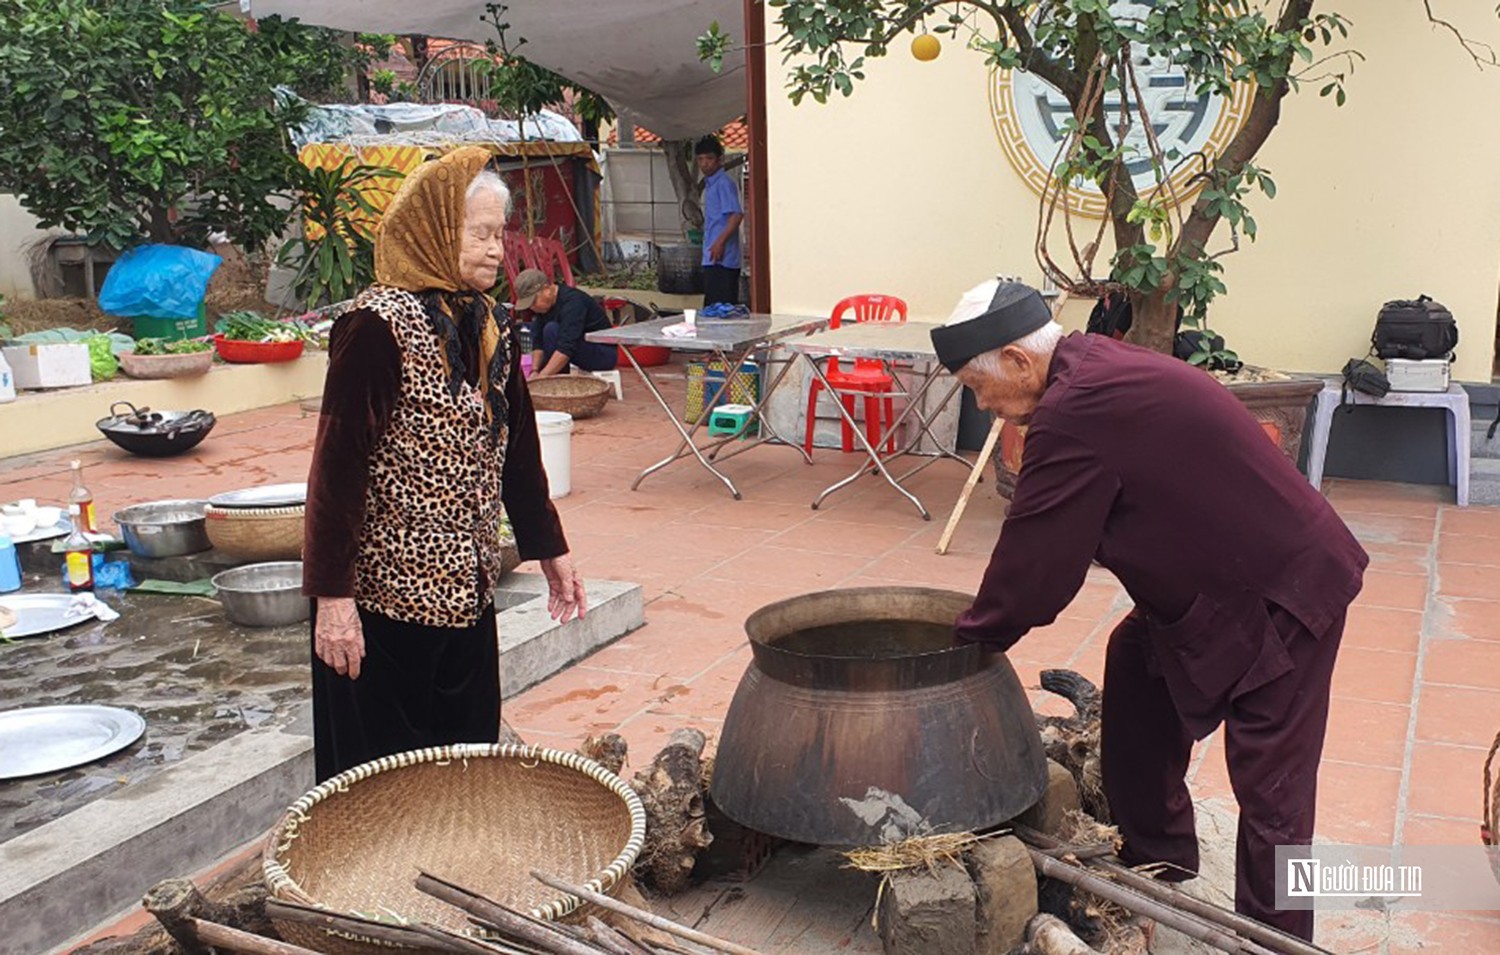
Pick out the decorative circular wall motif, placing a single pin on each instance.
(1029, 112)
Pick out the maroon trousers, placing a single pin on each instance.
(1273, 738)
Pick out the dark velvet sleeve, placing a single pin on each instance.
(538, 529)
(364, 380)
(1062, 499)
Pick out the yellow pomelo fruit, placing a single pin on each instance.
(925, 47)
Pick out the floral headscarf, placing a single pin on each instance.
(417, 249)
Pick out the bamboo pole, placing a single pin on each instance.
(1188, 924)
(526, 929)
(963, 496)
(1248, 927)
(341, 923)
(641, 915)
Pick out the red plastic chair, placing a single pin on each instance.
(868, 376)
(519, 257)
(552, 259)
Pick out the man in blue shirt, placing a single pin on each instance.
(722, 215)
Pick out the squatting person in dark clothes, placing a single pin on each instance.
(563, 316)
(1241, 575)
(426, 429)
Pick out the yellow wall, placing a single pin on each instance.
(903, 188)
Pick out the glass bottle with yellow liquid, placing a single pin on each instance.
(83, 499)
(79, 561)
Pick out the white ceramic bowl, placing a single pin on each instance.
(47, 516)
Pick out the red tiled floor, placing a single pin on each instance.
(1382, 676)
(1475, 619)
(1446, 780)
(1397, 591)
(708, 561)
(1357, 804)
(1462, 549)
(1463, 663)
(1361, 731)
(1459, 715)
(1443, 933)
(1378, 628)
(1466, 580)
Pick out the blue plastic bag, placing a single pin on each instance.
(160, 281)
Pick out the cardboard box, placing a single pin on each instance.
(49, 366)
(1409, 374)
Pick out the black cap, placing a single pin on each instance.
(1015, 311)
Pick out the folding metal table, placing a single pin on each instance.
(890, 342)
(732, 342)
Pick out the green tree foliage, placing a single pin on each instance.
(126, 120)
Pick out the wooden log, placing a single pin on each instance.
(609, 751)
(1271, 937)
(1050, 935)
(671, 790)
(441, 938)
(641, 915)
(175, 903)
(508, 922)
(1188, 924)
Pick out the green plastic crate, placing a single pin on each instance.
(147, 326)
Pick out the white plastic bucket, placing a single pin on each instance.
(556, 431)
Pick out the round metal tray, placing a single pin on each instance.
(39, 614)
(45, 739)
(270, 495)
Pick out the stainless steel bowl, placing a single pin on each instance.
(164, 528)
(263, 595)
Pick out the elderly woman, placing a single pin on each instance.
(426, 429)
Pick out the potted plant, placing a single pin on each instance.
(161, 358)
(248, 337)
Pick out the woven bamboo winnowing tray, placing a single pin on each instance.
(256, 533)
(479, 815)
(581, 396)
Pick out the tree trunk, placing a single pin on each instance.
(1153, 321)
(679, 154)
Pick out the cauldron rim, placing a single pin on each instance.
(840, 671)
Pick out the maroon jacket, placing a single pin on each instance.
(1151, 467)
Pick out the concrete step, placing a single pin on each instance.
(60, 880)
(1484, 480)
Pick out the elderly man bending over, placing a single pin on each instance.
(1241, 575)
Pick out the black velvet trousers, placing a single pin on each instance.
(418, 686)
(1273, 739)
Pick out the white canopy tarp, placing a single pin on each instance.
(640, 55)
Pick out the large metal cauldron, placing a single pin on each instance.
(857, 723)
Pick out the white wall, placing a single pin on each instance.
(18, 231)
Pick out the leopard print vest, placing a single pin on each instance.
(432, 511)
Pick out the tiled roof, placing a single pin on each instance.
(735, 136)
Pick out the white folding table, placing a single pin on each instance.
(908, 342)
(731, 342)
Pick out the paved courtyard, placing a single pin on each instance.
(1416, 693)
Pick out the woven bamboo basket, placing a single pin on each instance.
(482, 816)
(256, 533)
(1489, 834)
(581, 396)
